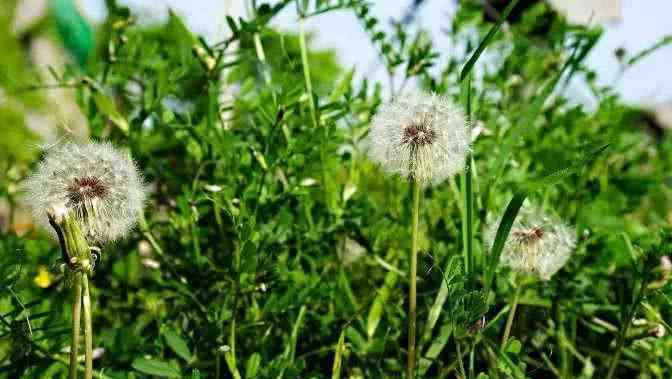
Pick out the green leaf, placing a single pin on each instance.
(451, 272)
(558, 175)
(252, 366)
(75, 32)
(230, 359)
(513, 346)
(107, 108)
(178, 345)
(437, 346)
(232, 25)
(467, 194)
(503, 230)
(484, 43)
(338, 356)
(157, 368)
(376, 311)
(342, 86)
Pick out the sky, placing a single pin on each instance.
(643, 23)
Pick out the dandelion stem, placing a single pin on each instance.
(467, 192)
(88, 330)
(412, 290)
(76, 315)
(512, 314)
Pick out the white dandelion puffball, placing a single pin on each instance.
(538, 243)
(424, 137)
(96, 183)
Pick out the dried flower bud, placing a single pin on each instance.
(538, 243)
(658, 331)
(94, 182)
(423, 137)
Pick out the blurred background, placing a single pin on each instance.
(52, 33)
(42, 39)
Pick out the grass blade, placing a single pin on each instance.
(502, 234)
(340, 347)
(484, 43)
(467, 194)
(376, 311)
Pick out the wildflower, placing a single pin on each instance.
(423, 137)
(538, 243)
(43, 279)
(94, 182)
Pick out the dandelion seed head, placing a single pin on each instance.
(538, 243)
(423, 137)
(96, 183)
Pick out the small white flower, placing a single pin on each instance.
(96, 183)
(423, 137)
(538, 243)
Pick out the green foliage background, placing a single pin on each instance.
(259, 208)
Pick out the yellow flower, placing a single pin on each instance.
(43, 279)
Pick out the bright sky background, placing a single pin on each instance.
(643, 23)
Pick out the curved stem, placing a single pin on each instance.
(512, 314)
(76, 316)
(412, 289)
(88, 330)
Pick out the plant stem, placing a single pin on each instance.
(624, 331)
(467, 192)
(76, 316)
(313, 108)
(306, 71)
(412, 289)
(460, 361)
(88, 330)
(472, 354)
(512, 314)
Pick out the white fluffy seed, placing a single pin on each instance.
(96, 183)
(538, 243)
(423, 137)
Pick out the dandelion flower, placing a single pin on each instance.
(538, 243)
(96, 183)
(423, 137)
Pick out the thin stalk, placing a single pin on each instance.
(624, 331)
(412, 289)
(76, 316)
(512, 314)
(88, 330)
(311, 103)
(306, 70)
(472, 359)
(459, 359)
(259, 49)
(467, 192)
